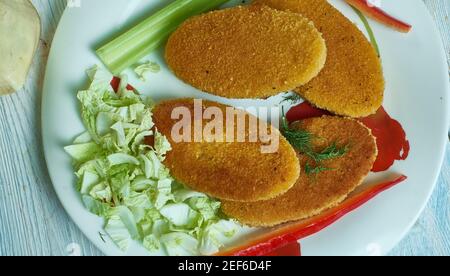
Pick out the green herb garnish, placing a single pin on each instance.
(102, 236)
(301, 140)
(292, 98)
(330, 152)
(309, 170)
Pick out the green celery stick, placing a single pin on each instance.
(130, 47)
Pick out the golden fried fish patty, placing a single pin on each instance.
(237, 171)
(246, 52)
(314, 193)
(352, 82)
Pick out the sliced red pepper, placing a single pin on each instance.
(115, 82)
(290, 250)
(379, 15)
(391, 139)
(283, 241)
(304, 111)
(292, 232)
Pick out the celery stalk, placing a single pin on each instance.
(130, 47)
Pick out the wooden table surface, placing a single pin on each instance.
(32, 220)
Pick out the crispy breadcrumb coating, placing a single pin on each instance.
(313, 194)
(236, 171)
(246, 52)
(352, 82)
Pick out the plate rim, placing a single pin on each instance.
(446, 121)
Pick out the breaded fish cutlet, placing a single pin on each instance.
(352, 82)
(313, 194)
(237, 171)
(246, 52)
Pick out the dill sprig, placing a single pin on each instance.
(298, 138)
(301, 140)
(331, 152)
(310, 170)
(292, 98)
(102, 236)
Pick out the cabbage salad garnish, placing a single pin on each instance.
(123, 180)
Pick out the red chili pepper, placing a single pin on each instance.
(292, 232)
(115, 82)
(292, 249)
(391, 139)
(304, 111)
(379, 15)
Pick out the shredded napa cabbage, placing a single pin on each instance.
(146, 68)
(123, 180)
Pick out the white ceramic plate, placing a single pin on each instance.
(416, 95)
